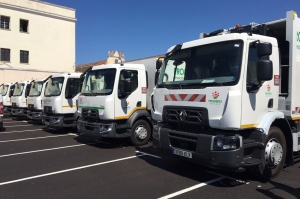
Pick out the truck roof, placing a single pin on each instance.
(136, 66)
(220, 38)
(67, 75)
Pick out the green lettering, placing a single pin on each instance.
(181, 71)
(298, 36)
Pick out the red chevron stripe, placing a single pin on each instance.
(203, 99)
(182, 96)
(173, 97)
(193, 97)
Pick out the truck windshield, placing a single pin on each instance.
(19, 89)
(4, 90)
(215, 64)
(54, 86)
(99, 82)
(36, 89)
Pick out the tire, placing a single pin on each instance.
(140, 133)
(267, 170)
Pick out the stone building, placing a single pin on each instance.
(113, 57)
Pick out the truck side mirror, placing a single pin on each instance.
(264, 70)
(159, 63)
(156, 77)
(126, 74)
(263, 49)
(71, 89)
(127, 87)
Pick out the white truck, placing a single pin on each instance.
(35, 99)
(7, 91)
(115, 101)
(59, 101)
(1, 111)
(19, 99)
(246, 113)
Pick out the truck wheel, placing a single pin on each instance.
(140, 133)
(274, 157)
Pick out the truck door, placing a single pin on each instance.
(127, 103)
(73, 87)
(256, 100)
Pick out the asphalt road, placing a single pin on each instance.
(36, 162)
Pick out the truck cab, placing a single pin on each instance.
(237, 105)
(7, 91)
(59, 102)
(19, 99)
(35, 99)
(1, 112)
(115, 101)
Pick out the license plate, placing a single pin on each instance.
(182, 153)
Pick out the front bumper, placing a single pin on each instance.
(98, 130)
(7, 109)
(200, 147)
(21, 112)
(34, 115)
(58, 121)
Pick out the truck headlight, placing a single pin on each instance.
(106, 127)
(222, 142)
(156, 132)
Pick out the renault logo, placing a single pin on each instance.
(182, 115)
(89, 112)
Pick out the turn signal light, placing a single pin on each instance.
(1, 108)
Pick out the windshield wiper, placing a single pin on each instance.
(203, 85)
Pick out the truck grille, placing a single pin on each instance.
(186, 115)
(90, 113)
(30, 106)
(47, 109)
(13, 104)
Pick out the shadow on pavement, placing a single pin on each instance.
(106, 143)
(196, 172)
(290, 190)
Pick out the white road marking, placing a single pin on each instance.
(237, 180)
(191, 188)
(50, 149)
(12, 122)
(68, 170)
(19, 131)
(36, 138)
(148, 154)
(17, 125)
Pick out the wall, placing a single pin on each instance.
(50, 39)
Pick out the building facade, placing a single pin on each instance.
(37, 39)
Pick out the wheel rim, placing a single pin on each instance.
(141, 132)
(273, 152)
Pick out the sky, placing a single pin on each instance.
(144, 28)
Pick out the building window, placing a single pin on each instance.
(24, 25)
(4, 22)
(5, 54)
(24, 56)
(116, 61)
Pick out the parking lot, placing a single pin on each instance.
(36, 162)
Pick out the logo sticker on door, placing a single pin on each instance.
(215, 100)
(268, 93)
